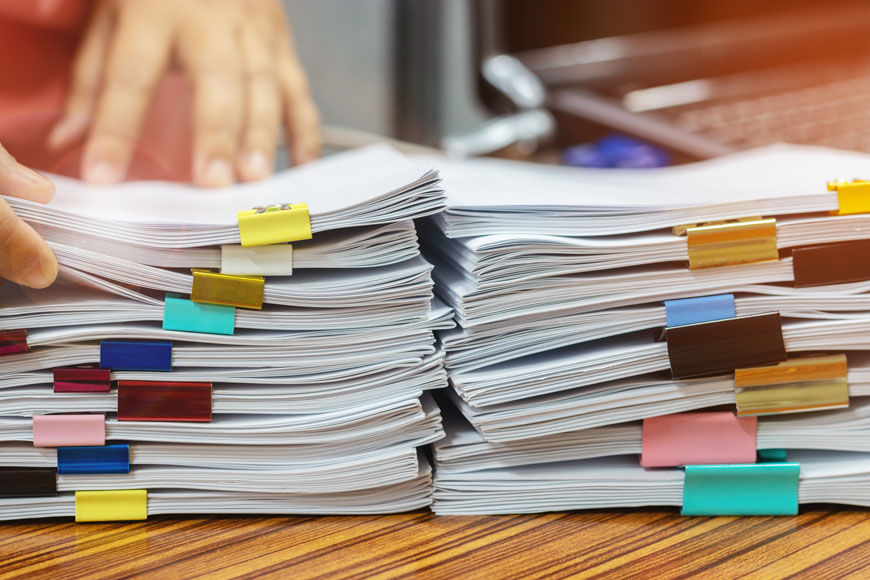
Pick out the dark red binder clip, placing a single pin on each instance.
(13, 342)
(164, 401)
(88, 378)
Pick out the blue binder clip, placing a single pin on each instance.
(105, 459)
(121, 355)
(701, 309)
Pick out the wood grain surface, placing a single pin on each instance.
(820, 543)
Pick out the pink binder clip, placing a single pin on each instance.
(698, 439)
(69, 430)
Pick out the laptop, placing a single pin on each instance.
(700, 78)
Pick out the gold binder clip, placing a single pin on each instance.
(853, 196)
(683, 229)
(802, 384)
(226, 289)
(274, 224)
(725, 243)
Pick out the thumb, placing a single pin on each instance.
(17, 180)
(24, 257)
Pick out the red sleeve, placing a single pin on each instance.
(53, 14)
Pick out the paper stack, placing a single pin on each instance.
(588, 301)
(190, 360)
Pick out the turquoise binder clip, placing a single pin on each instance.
(189, 316)
(745, 489)
(772, 455)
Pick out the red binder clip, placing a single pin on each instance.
(13, 342)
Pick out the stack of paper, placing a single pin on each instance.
(172, 370)
(591, 298)
(816, 477)
(599, 467)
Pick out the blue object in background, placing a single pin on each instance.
(615, 151)
(103, 459)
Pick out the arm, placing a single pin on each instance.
(246, 77)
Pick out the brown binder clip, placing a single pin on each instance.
(836, 263)
(720, 346)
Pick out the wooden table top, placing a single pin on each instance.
(821, 543)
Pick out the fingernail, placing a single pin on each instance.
(101, 173)
(255, 165)
(38, 273)
(217, 173)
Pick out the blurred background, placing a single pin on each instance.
(593, 83)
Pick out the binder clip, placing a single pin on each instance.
(701, 309)
(698, 438)
(13, 342)
(87, 378)
(755, 489)
(720, 346)
(772, 455)
(837, 263)
(27, 481)
(129, 355)
(190, 316)
(93, 460)
(275, 224)
(853, 196)
(730, 242)
(802, 384)
(274, 260)
(164, 401)
(227, 290)
(111, 506)
(69, 430)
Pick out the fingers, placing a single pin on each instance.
(24, 258)
(262, 109)
(300, 113)
(138, 55)
(87, 71)
(17, 180)
(214, 65)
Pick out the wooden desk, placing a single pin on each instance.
(821, 543)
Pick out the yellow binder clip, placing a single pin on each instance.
(853, 196)
(226, 289)
(111, 506)
(274, 224)
(730, 242)
(803, 384)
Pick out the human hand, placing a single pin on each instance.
(246, 76)
(24, 257)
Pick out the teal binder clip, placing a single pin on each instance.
(772, 455)
(189, 316)
(745, 489)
